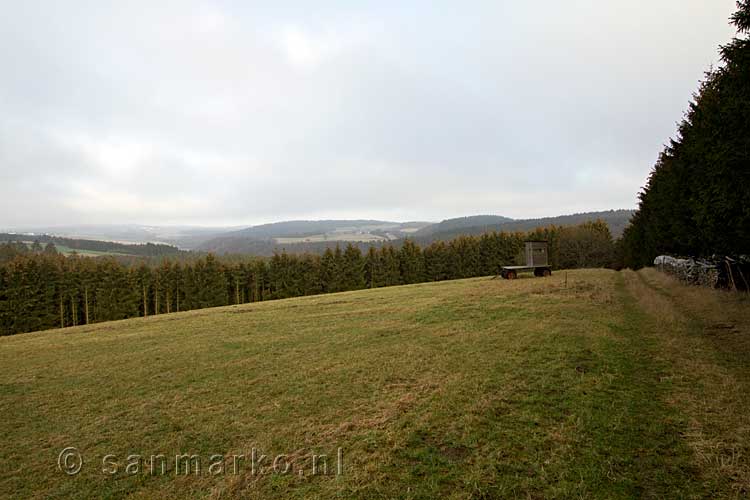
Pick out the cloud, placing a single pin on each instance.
(307, 51)
(242, 113)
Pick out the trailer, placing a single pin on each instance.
(536, 261)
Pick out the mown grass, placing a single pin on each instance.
(476, 388)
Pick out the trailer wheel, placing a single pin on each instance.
(510, 275)
(546, 273)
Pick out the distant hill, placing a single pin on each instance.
(184, 237)
(314, 236)
(460, 223)
(302, 228)
(615, 219)
(94, 247)
(299, 236)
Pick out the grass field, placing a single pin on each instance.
(332, 236)
(65, 250)
(87, 253)
(618, 385)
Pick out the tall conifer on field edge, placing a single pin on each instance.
(696, 201)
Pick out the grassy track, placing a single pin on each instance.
(619, 385)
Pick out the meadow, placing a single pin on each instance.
(66, 250)
(587, 384)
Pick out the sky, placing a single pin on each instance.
(247, 112)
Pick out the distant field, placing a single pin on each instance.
(618, 385)
(91, 253)
(336, 236)
(68, 251)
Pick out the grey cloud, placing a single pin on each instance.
(241, 113)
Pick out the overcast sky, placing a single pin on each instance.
(230, 113)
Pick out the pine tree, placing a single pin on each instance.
(352, 269)
(374, 276)
(310, 269)
(436, 261)
(238, 280)
(391, 266)
(178, 279)
(5, 311)
(212, 291)
(144, 284)
(166, 285)
(411, 263)
(695, 201)
(330, 272)
(281, 276)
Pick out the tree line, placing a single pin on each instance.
(696, 201)
(43, 289)
(139, 249)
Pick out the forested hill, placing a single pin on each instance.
(301, 228)
(447, 230)
(459, 223)
(317, 236)
(301, 236)
(66, 245)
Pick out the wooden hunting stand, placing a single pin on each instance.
(536, 261)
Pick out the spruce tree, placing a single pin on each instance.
(373, 268)
(352, 269)
(695, 201)
(411, 263)
(330, 270)
(391, 266)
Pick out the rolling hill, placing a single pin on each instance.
(306, 228)
(300, 236)
(316, 236)
(460, 223)
(184, 237)
(93, 247)
(589, 384)
(452, 228)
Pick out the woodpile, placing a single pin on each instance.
(716, 272)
